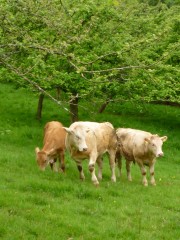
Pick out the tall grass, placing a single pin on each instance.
(47, 205)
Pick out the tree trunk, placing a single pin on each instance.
(103, 106)
(40, 106)
(74, 108)
(58, 93)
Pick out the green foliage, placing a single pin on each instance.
(110, 49)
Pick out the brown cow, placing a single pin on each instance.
(141, 147)
(90, 140)
(54, 146)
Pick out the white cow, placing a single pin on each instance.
(90, 140)
(141, 147)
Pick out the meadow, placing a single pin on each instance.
(49, 206)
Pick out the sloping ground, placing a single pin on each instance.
(47, 205)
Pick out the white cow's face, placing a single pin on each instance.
(78, 138)
(80, 141)
(155, 145)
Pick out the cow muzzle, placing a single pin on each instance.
(84, 149)
(160, 154)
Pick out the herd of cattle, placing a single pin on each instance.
(90, 140)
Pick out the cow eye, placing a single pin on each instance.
(153, 144)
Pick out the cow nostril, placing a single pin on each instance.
(160, 155)
(84, 149)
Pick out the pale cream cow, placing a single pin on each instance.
(53, 146)
(90, 140)
(140, 147)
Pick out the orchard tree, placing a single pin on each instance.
(94, 50)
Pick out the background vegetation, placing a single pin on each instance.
(100, 51)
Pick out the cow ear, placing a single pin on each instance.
(37, 150)
(87, 130)
(147, 140)
(67, 130)
(164, 138)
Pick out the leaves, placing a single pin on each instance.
(109, 48)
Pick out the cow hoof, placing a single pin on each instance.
(153, 184)
(96, 183)
(82, 178)
(100, 178)
(60, 170)
(145, 184)
(130, 179)
(113, 179)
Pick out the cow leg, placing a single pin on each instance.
(112, 164)
(92, 162)
(61, 162)
(151, 169)
(143, 172)
(53, 164)
(128, 169)
(80, 169)
(55, 167)
(119, 162)
(100, 166)
(93, 176)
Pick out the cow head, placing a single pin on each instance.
(43, 158)
(77, 138)
(155, 145)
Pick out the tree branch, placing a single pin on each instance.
(34, 84)
(114, 69)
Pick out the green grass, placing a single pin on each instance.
(47, 205)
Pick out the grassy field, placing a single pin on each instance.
(46, 205)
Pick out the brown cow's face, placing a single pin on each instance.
(155, 145)
(42, 159)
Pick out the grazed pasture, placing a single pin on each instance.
(46, 205)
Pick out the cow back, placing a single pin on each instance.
(106, 137)
(131, 142)
(54, 136)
